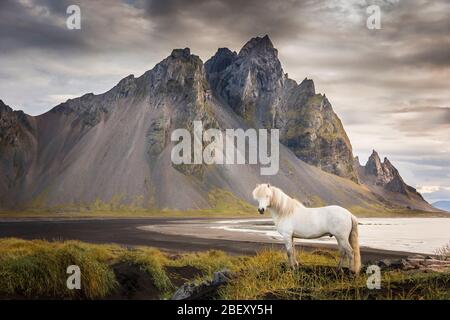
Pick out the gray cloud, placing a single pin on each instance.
(421, 120)
(437, 194)
(35, 25)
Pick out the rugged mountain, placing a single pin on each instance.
(383, 179)
(115, 147)
(254, 85)
(17, 145)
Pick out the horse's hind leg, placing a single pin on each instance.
(346, 252)
(342, 255)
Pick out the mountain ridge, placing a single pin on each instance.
(115, 146)
(255, 86)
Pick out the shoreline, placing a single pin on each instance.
(262, 231)
(128, 232)
(73, 217)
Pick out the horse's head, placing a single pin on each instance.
(263, 194)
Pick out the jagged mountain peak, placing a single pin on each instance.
(126, 79)
(181, 53)
(180, 57)
(249, 82)
(375, 153)
(375, 166)
(4, 107)
(178, 63)
(259, 55)
(255, 86)
(385, 174)
(374, 159)
(385, 180)
(180, 69)
(220, 61)
(14, 126)
(8, 111)
(308, 84)
(258, 45)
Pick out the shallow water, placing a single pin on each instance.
(420, 235)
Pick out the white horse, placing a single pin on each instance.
(293, 220)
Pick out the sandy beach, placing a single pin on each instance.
(413, 235)
(169, 234)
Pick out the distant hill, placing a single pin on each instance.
(443, 205)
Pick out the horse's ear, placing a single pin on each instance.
(268, 185)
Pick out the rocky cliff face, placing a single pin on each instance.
(249, 82)
(254, 85)
(314, 132)
(17, 146)
(384, 179)
(115, 147)
(384, 174)
(180, 82)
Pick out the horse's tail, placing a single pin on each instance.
(354, 242)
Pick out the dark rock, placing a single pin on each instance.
(133, 283)
(393, 264)
(221, 277)
(417, 262)
(417, 256)
(205, 289)
(179, 275)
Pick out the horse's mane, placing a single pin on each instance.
(282, 203)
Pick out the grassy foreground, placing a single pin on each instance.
(37, 269)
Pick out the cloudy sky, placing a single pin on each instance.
(390, 86)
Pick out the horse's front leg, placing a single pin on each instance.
(294, 253)
(289, 243)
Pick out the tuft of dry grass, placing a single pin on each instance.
(38, 269)
(267, 276)
(443, 253)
